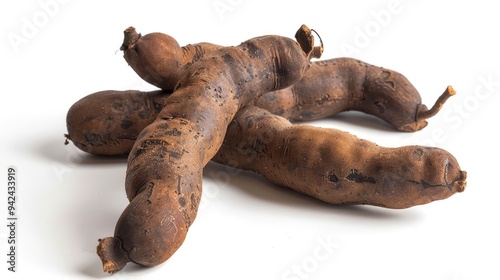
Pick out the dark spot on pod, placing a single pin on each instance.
(94, 139)
(254, 51)
(125, 124)
(139, 152)
(228, 58)
(118, 106)
(157, 106)
(174, 132)
(194, 201)
(198, 53)
(357, 177)
(332, 178)
(175, 155)
(249, 123)
(163, 126)
(153, 142)
(307, 114)
(182, 201)
(418, 152)
(144, 113)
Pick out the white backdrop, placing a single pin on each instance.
(55, 52)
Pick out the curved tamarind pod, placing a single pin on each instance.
(164, 172)
(343, 84)
(336, 166)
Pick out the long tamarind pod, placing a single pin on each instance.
(164, 173)
(336, 166)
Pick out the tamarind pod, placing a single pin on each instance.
(336, 166)
(164, 172)
(343, 84)
(108, 122)
(158, 58)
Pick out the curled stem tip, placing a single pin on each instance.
(425, 114)
(305, 38)
(317, 50)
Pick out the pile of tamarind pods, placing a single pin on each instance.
(241, 106)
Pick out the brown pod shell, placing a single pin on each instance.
(158, 58)
(336, 166)
(108, 122)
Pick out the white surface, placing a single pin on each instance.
(247, 228)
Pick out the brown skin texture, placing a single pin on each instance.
(159, 59)
(343, 84)
(146, 55)
(108, 122)
(337, 167)
(329, 87)
(164, 172)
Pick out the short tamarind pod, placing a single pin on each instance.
(164, 173)
(343, 84)
(336, 166)
(108, 122)
(158, 58)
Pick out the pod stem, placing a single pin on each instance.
(112, 254)
(305, 38)
(425, 114)
(130, 38)
(317, 50)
